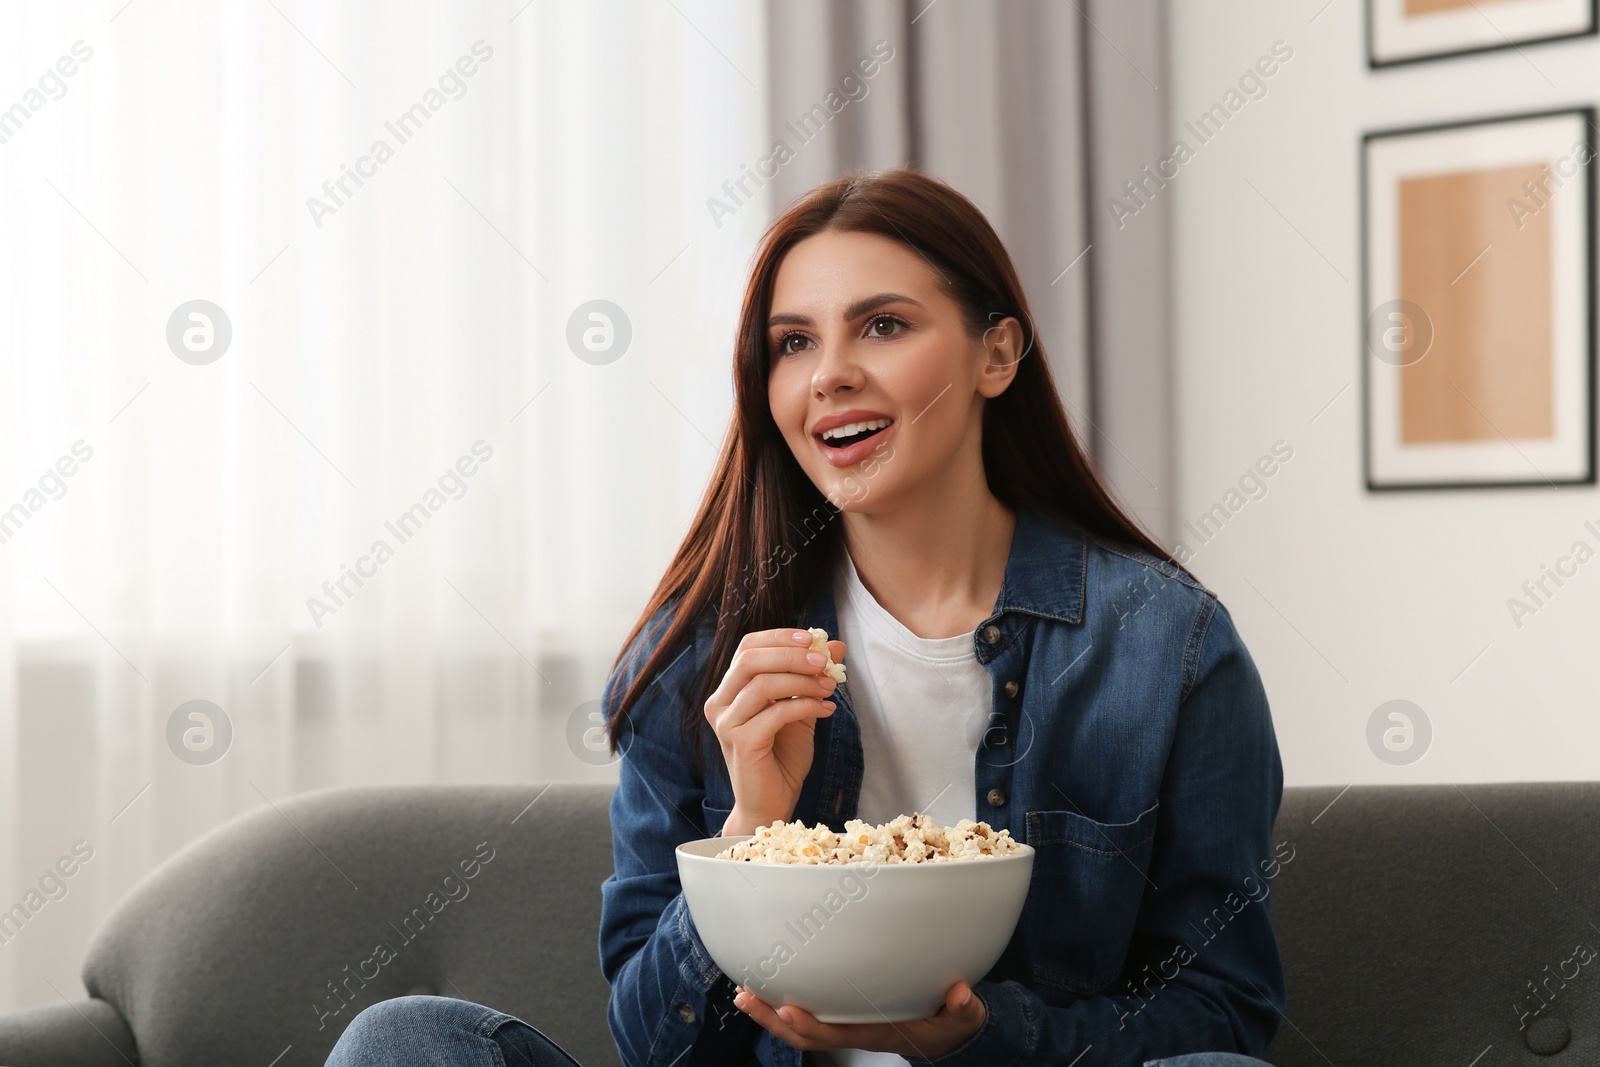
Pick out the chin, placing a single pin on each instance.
(857, 494)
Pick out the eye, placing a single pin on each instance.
(876, 320)
(781, 348)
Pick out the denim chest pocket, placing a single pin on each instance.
(714, 815)
(1089, 878)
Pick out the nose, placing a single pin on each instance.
(836, 370)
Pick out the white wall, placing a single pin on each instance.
(1346, 598)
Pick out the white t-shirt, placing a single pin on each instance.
(923, 704)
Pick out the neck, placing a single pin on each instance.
(936, 563)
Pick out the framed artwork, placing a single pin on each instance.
(1478, 264)
(1404, 31)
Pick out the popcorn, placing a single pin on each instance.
(819, 643)
(903, 839)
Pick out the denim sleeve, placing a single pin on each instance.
(667, 996)
(1203, 972)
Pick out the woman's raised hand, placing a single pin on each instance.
(764, 715)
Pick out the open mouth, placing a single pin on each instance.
(853, 433)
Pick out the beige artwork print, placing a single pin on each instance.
(1486, 285)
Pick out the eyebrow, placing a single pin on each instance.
(859, 308)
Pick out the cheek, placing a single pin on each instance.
(786, 396)
(935, 390)
(924, 371)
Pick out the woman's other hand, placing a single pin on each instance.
(944, 1031)
(764, 715)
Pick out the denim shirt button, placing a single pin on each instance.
(997, 798)
(991, 633)
(1011, 688)
(686, 1013)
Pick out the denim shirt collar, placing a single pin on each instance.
(1046, 573)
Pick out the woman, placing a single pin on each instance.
(901, 473)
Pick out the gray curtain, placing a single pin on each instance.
(1039, 111)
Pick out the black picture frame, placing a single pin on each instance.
(1374, 63)
(1588, 362)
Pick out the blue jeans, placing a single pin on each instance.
(443, 1032)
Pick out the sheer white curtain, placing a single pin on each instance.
(399, 373)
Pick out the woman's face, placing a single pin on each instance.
(864, 338)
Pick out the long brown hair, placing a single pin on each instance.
(736, 560)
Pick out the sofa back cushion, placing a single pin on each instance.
(266, 936)
(1433, 923)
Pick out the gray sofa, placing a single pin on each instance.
(1418, 924)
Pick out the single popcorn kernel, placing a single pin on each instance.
(819, 643)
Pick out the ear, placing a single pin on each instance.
(1001, 351)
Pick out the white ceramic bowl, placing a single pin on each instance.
(853, 943)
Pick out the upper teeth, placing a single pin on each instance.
(854, 428)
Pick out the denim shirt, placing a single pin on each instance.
(1130, 744)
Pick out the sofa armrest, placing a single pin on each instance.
(89, 1033)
